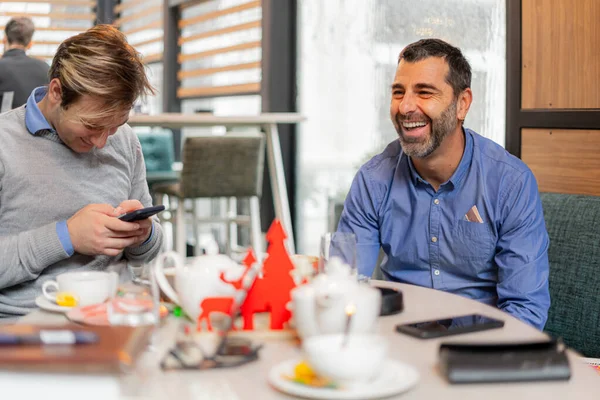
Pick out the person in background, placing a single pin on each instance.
(450, 209)
(20, 73)
(69, 166)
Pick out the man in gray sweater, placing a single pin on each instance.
(69, 166)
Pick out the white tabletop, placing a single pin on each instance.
(250, 381)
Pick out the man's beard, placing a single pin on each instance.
(440, 128)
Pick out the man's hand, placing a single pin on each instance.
(95, 230)
(145, 225)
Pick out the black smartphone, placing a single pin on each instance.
(450, 326)
(142, 213)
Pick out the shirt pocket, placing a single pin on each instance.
(472, 241)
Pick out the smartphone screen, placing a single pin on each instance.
(450, 326)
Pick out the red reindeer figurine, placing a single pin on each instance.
(223, 304)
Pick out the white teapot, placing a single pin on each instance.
(197, 280)
(320, 307)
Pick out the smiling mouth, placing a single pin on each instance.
(410, 125)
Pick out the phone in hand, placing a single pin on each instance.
(450, 326)
(140, 214)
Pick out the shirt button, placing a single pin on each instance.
(436, 201)
(434, 239)
(436, 272)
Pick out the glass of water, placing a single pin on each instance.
(341, 245)
(135, 304)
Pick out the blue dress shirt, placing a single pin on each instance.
(502, 261)
(35, 123)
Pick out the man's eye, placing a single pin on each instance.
(425, 93)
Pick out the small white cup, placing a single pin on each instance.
(91, 287)
(357, 361)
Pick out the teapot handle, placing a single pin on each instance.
(159, 273)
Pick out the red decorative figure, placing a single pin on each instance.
(271, 292)
(249, 260)
(210, 305)
(223, 304)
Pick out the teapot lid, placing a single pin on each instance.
(336, 268)
(336, 271)
(213, 258)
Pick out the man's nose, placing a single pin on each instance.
(408, 104)
(99, 140)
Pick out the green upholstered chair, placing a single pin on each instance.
(573, 224)
(159, 155)
(227, 166)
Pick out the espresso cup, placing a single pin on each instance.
(90, 287)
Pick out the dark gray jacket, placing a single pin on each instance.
(21, 74)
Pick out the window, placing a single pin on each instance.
(346, 62)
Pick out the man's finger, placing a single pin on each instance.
(119, 234)
(119, 243)
(131, 205)
(116, 225)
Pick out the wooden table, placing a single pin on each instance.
(266, 122)
(250, 381)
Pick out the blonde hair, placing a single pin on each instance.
(100, 63)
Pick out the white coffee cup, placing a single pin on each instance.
(90, 287)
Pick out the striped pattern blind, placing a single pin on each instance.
(220, 48)
(142, 22)
(54, 20)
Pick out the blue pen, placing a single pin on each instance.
(47, 336)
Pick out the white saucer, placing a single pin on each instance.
(47, 305)
(395, 378)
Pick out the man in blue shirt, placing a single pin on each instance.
(451, 209)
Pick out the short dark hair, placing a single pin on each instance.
(459, 75)
(19, 31)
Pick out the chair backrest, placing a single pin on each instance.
(573, 224)
(223, 166)
(157, 147)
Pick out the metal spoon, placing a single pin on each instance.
(350, 310)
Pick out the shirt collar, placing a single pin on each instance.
(34, 119)
(458, 176)
(14, 53)
(465, 162)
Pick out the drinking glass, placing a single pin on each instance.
(341, 245)
(135, 303)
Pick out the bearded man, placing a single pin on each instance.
(450, 209)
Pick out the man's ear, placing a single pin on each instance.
(463, 104)
(54, 91)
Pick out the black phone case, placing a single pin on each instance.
(141, 214)
(499, 362)
(425, 334)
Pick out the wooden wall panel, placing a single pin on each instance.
(563, 160)
(560, 57)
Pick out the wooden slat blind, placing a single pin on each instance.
(215, 14)
(56, 16)
(142, 22)
(220, 49)
(154, 12)
(54, 20)
(82, 3)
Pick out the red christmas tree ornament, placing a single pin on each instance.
(271, 292)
